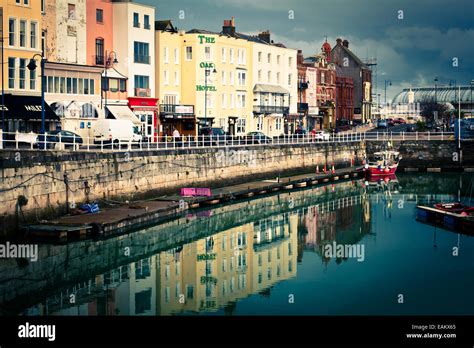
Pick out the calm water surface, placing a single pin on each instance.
(267, 257)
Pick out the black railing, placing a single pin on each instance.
(271, 109)
(141, 59)
(99, 60)
(147, 26)
(176, 109)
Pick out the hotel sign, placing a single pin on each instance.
(206, 257)
(206, 39)
(201, 88)
(207, 65)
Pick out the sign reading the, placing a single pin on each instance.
(206, 39)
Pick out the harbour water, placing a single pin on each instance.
(352, 248)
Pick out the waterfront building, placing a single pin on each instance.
(134, 58)
(325, 84)
(99, 30)
(352, 67)
(344, 100)
(21, 40)
(170, 57)
(308, 104)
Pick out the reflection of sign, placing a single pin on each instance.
(206, 39)
(206, 257)
(206, 88)
(184, 109)
(313, 110)
(205, 280)
(207, 65)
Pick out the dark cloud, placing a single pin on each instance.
(411, 51)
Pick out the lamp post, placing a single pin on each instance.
(32, 66)
(107, 63)
(387, 83)
(207, 72)
(436, 89)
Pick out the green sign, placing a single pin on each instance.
(207, 65)
(201, 88)
(205, 280)
(205, 257)
(206, 39)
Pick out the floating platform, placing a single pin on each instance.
(445, 219)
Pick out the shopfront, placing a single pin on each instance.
(146, 110)
(179, 117)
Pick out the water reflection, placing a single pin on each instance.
(218, 258)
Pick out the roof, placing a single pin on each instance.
(202, 31)
(260, 87)
(114, 74)
(165, 25)
(351, 54)
(441, 94)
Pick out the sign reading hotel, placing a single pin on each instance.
(201, 88)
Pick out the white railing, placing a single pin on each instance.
(58, 142)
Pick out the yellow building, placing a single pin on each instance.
(211, 78)
(21, 39)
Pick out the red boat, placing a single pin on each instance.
(455, 208)
(383, 163)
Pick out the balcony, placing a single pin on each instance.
(136, 24)
(303, 108)
(147, 26)
(99, 60)
(142, 92)
(176, 111)
(138, 58)
(271, 109)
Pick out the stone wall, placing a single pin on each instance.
(39, 176)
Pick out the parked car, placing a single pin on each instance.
(59, 140)
(411, 128)
(212, 136)
(382, 124)
(257, 138)
(111, 131)
(400, 120)
(322, 135)
(390, 122)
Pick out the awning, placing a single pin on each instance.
(123, 112)
(259, 87)
(113, 74)
(26, 107)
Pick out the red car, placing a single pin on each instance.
(400, 121)
(390, 122)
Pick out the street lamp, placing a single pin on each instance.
(387, 83)
(32, 66)
(207, 72)
(436, 89)
(108, 62)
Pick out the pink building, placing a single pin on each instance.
(307, 101)
(99, 26)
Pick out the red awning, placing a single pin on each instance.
(143, 103)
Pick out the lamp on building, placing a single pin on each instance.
(207, 72)
(32, 66)
(387, 83)
(107, 64)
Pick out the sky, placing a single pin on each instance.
(414, 41)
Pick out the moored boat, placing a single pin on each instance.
(383, 163)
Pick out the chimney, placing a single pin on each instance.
(229, 27)
(300, 58)
(339, 41)
(345, 43)
(265, 36)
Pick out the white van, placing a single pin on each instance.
(116, 132)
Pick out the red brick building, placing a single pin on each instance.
(344, 101)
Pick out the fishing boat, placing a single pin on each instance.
(383, 163)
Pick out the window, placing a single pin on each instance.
(224, 242)
(278, 123)
(176, 78)
(142, 81)
(269, 58)
(91, 86)
(278, 59)
(224, 264)
(166, 78)
(99, 15)
(123, 85)
(189, 53)
(289, 79)
(231, 101)
(231, 55)
(244, 56)
(42, 5)
(22, 33)
(22, 74)
(33, 34)
(62, 85)
(290, 61)
(231, 78)
(242, 75)
(259, 128)
(136, 21)
(190, 292)
(269, 256)
(99, 51)
(26, 2)
(11, 31)
(223, 77)
(146, 22)
(322, 78)
(241, 100)
(224, 100)
(241, 125)
(71, 11)
(32, 79)
(278, 78)
(74, 86)
(43, 41)
(259, 57)
(260, 76)
(141, 52)
(11, 72)
(176, 56)
(269, 76)
(165, 55)
(207, 52)
(223, 54)
(69, 85)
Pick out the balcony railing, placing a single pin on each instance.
(136, 24)
(99, 60)
(142, 92)
(271, 109)
(147, 26)
(141, 59)
(176, 109)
